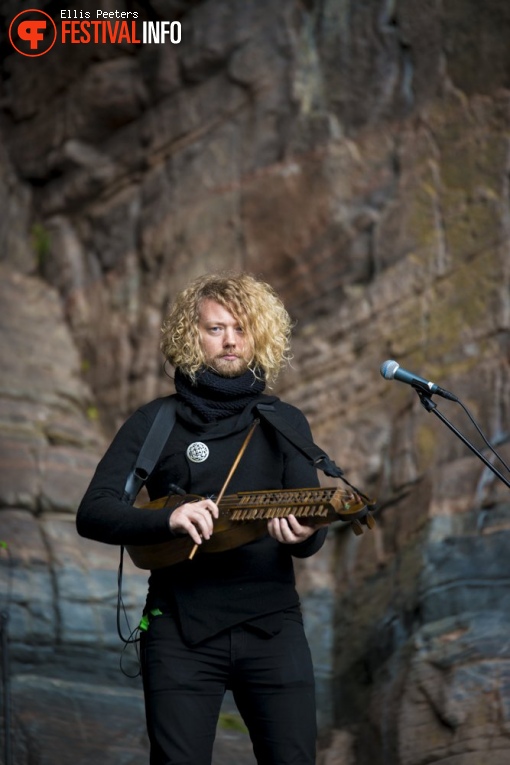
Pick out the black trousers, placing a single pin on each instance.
(271, 678)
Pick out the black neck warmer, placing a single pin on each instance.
(215, 397)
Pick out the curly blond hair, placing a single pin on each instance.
(255, 305)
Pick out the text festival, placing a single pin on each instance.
(102, 30)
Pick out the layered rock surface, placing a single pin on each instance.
(356, 156)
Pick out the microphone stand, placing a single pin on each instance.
(431, 406)
(4, 618)
(4, 662)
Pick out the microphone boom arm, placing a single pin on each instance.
(431, 406)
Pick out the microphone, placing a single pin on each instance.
(390, 370)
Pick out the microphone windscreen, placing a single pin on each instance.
(388, 369)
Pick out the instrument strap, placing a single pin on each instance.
(155, 440)
(306, 446)
(313, 453)
(164, 422)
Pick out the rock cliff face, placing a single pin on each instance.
(356, 155)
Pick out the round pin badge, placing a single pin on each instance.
(197, 452)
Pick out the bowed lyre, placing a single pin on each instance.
(243, 518)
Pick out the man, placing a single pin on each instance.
(227, 619)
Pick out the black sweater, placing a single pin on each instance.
(213, 591)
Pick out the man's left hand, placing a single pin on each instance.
(289, 531)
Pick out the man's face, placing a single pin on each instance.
(227, 349)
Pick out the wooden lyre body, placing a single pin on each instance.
(243, 518)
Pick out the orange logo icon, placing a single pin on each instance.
(32, 32)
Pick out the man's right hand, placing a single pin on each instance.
(195, 519)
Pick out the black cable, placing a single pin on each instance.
(493, 450)
(121, 607)
(131, 639)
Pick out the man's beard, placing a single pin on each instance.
(228, 368)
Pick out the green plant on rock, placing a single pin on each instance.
(231, 721)
(92, 413)
(41, 243)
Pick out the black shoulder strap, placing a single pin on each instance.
(316, 456)
(155, 440)
(149, 453)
